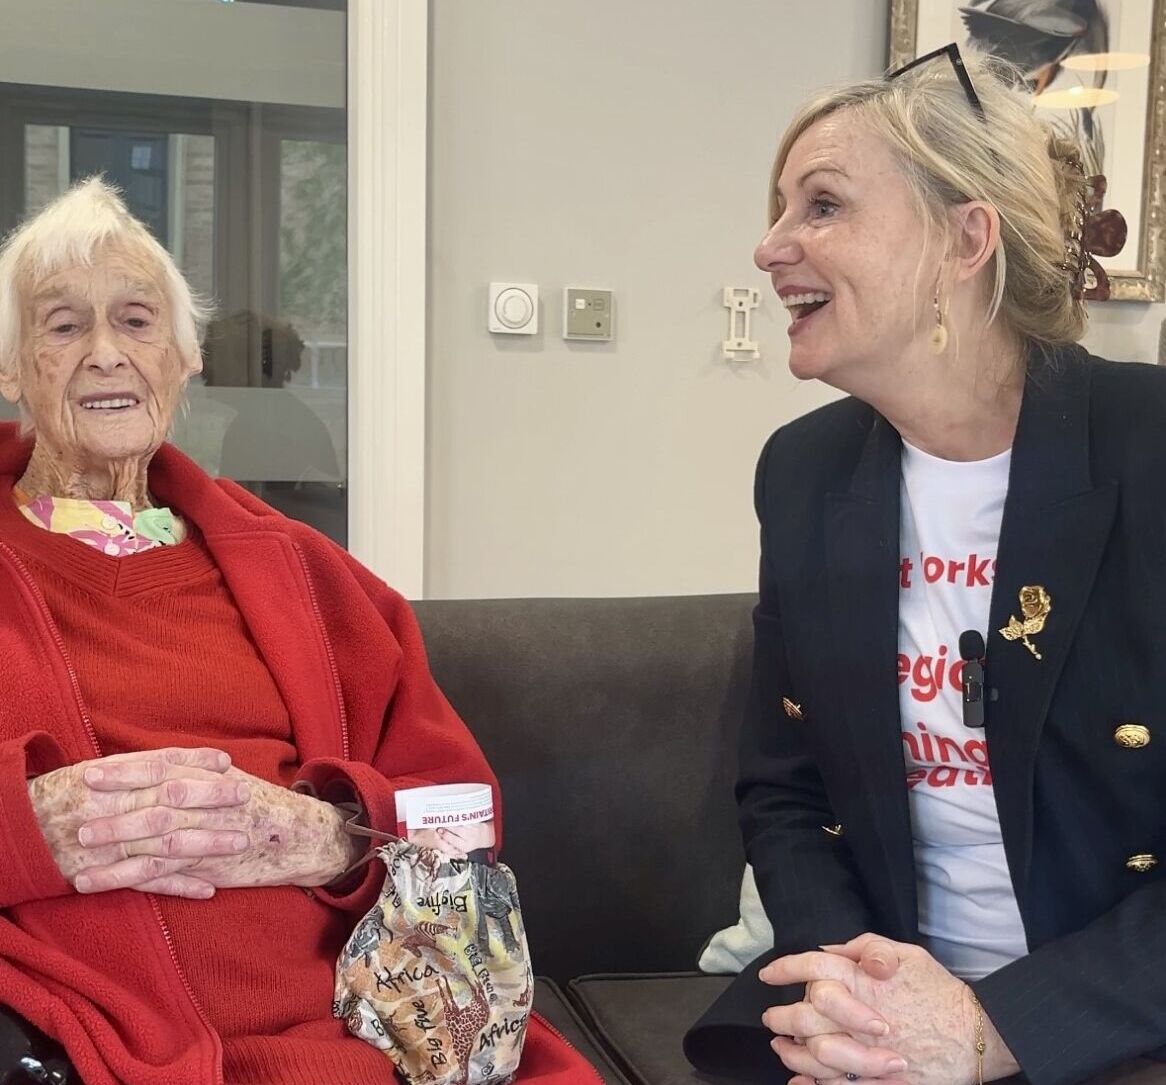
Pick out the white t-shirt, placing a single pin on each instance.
(949, 533)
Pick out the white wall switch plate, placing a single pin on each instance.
(587, 314)
(513, 309)
(740, 301)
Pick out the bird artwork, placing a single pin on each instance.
(1036, 37)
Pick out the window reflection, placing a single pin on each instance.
(251, 199)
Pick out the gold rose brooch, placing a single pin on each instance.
(1035, 604)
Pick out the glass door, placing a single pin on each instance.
(247, 191)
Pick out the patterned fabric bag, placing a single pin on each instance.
(437, 974)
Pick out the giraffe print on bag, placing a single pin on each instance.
(437, 975)
(465, 1023)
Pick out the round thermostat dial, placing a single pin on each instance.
(514, 308)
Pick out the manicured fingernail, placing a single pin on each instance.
(834, 948)
(83, 883)
(85, 835)
(878, 1028)
(897, 1066)
(223, 760)
(94, 775)
(239, 843)
(243, 792)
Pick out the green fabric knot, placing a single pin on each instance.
(158, 525)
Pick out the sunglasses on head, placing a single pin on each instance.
(952, 52)
(1094, 233)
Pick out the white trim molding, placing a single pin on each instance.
(388, 56)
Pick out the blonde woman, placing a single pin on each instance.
(948, 788)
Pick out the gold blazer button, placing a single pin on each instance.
(1133, 736)
(1142, 863)
(833, 830)
(793, 710)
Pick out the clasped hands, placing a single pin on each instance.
(879, 1010)
(184, 822)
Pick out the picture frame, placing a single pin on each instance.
(1134, 155)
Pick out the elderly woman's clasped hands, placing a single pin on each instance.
(184, 822)
(875, 1009)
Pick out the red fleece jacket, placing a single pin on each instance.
(102, 973)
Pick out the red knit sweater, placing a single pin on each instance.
(167, 612)
(262, 638)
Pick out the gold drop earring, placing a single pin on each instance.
(939, 332)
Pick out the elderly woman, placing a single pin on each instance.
(192, 684)
(951, 902)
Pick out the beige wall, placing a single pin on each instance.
(191, 47)
(624, 145)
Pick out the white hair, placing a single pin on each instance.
(72, 230)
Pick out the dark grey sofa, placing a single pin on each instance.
(612, 726)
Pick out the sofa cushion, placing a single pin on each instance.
(552, 1006)
(642, 1020)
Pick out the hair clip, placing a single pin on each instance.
(1094, 233)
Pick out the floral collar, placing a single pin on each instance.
(109, 526)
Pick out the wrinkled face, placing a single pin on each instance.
(100, 374)
(846, 255)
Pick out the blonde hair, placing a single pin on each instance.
(88, 218)
(949, 154)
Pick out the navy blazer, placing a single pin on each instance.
(823, 801)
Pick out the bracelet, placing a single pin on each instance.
(979, 1026)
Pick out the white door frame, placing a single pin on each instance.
(388, 56)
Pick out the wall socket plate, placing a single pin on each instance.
(587, 314)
